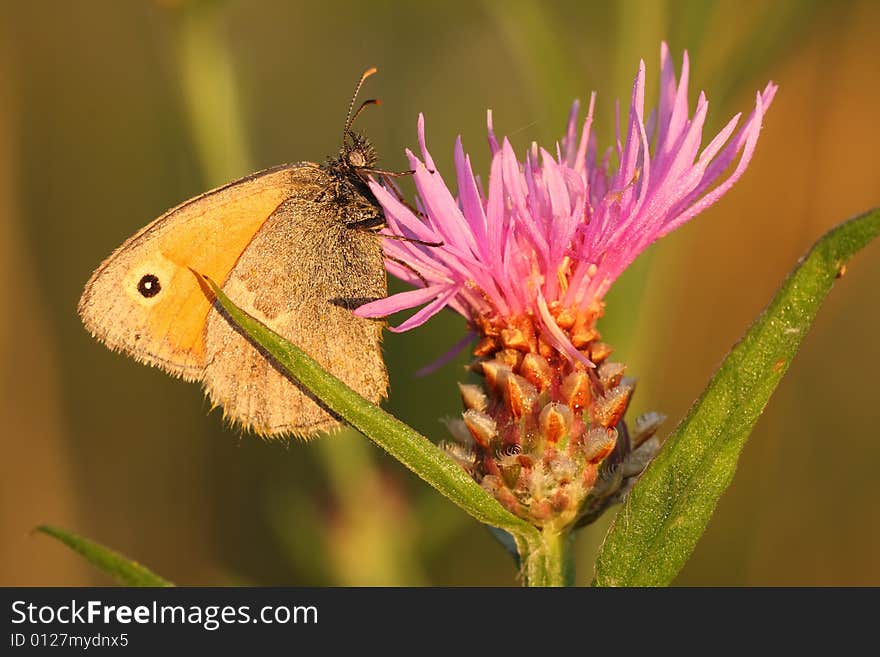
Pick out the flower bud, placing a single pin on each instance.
(482, 427)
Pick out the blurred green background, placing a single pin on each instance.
(111, 112)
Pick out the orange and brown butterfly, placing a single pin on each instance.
(296, 246)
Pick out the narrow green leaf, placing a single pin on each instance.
(398, 439)
(659, 525)
(114, 564)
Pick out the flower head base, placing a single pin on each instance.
(528, 262)
(551, 447)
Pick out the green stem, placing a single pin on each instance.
(548, 561)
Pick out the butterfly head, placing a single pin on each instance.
(356, 154)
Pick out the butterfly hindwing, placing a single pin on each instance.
(302, 274)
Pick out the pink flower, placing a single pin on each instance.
(527, 261)
(531, 257)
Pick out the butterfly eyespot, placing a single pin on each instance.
(149, 285)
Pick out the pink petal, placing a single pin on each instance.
(580, 163)
(439, 202)
(493, 142)
(400, 301)
(469, 197)
(667, 92)
(426, 156)
(398, 213)
(679, 116)
(453, 351)
(425, 313)
(629, 158)
(559, 339)
(495, 215)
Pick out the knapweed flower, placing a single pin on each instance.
(528, 260)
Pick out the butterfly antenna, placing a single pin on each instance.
(366, 103)
(348, 117)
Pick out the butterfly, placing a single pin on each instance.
(296, 246)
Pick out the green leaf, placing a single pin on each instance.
(398, 439)
(114, 564)
(657, 528)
